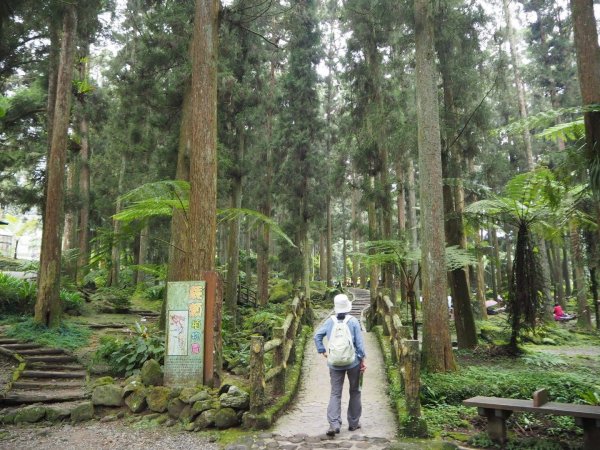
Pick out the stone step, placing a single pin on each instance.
(8, 341)
(52, 374)
(18, 397)
(45, 383)
(50, 359)
(20, 346)
(46, 366)
(42, 351)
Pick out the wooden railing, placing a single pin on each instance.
(282, 346)
(405, 351)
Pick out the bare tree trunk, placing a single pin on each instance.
(322, 256)
(48, 307)
(84, 195)
(480, 277)
(556, 269)
(354, 234)
(203, 154)
(115, 256)
(401, 211)
(584, 319)
(233, 247)
(437, 349)
(413, 226)
(565, 270)
(329, 245)
(142, 253)
(70, 227)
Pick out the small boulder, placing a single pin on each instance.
(187, 393)
(131, 385)
(136, 400)
(226, 418)
(102, 381)
(203, 405)
(186, 414)
(83, 411)
(151, 373)
(202, 395)
(55, 413)
(30, 414)
(107, 395)
(157, 398)
(235, 398)
(175, 406)
(205, 420)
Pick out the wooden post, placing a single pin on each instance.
(257, 374)
(540, 397)
(278, 360)
(496, 423)
(412, 368)
(591, 432)
(213, 342)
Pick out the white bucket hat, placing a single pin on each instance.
(341, 304)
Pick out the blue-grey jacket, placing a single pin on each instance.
(357, 338)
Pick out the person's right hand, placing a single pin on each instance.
(324, 354)
(363, 366)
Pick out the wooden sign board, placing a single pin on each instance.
(193, 350)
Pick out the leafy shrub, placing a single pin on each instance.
(67, 335)
(126, 356)
(590, 396)
(117, 298)
(156, 292)
(544, 360)
(71, 301)
(16, 296)
(263, 323)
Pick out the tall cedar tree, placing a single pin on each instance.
(437, 348)
(300, 125)
(48, 307)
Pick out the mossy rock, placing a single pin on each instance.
(187, 394)
(8, 417)
(157, 398)
(202, 395)
(204, 405)
(82, 412)
(226, 418)
(136, 400)
(151, 373)
(235, 398)
(186, 414)
(206, 419)
(102, 381)
(56, 413)
(30, 414)
(131, 386)
(175, 406)
(107, 395)
(283, 290)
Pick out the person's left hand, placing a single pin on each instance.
(363, 366)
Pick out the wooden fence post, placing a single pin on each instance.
(412, 368)
(278, 360)
(257, 374)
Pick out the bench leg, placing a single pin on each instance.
(591, 432)
(496, 423)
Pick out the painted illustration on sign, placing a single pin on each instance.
(178, 333)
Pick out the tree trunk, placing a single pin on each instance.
(401, 211)
(84, 195)
(558, 282)
(565, 270)
(354, 234)
(518, 83)
(437, 349)
(203, 152)
(413, 226)
(142, 253)
(588, 69)
(322, 256)
(329, 245)
(372, 217)
(48, 307)
(70, 227)
(480, 277)
(584, 319)
(233, 243)
(115, 256)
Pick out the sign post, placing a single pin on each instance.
(193, 332)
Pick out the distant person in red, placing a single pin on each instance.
(560, 315)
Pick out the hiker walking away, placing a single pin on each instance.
(345, 355)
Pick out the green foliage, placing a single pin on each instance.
(16, 296)
(544, 361)
(126, 356)
(263, 323)
(448, 416)
(590, 396)
(468, 382)
(71, 301)
(67, 335)
(117, 298)
(155, 292)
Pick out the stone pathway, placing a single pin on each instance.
(304, 424)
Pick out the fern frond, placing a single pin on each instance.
(256, 218)
(569, 131)
(457, 258)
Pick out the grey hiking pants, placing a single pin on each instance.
(334, 410)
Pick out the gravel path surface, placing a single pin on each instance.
(99, 436)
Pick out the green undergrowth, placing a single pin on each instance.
(454, 387)
(68, 335)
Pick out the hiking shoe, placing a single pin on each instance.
(354, 427)
(332, 431)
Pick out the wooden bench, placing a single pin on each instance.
(497, 410)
